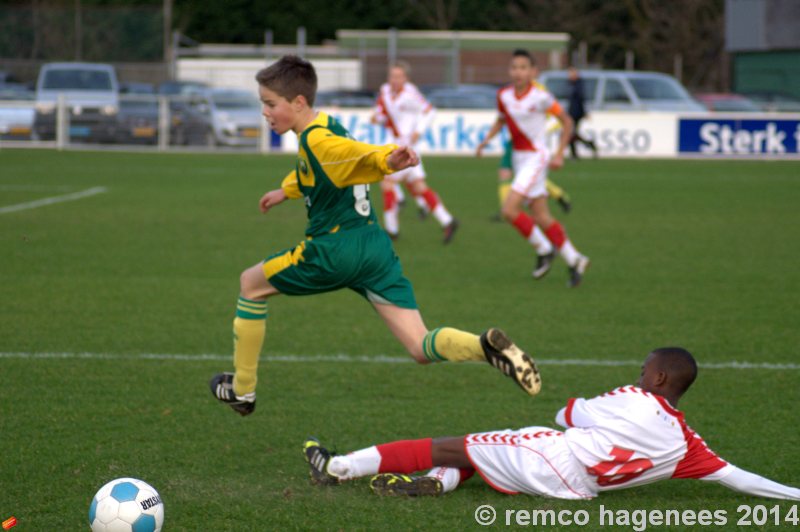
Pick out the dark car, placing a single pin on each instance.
(775, 102)
(463, 96)
(345, 98)
(727, 102)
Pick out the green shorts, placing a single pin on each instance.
(360, 259)
(505, 160)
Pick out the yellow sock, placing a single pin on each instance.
(503, 188)
(451, 344)
(554, 191)
(249, 329)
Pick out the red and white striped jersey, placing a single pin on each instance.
(628, 437)
(526, 115)
(404, 113)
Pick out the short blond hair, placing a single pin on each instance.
(403, 65)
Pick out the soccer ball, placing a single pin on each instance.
(126, 505)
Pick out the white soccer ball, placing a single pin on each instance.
(126, 505)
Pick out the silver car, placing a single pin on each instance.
(91, 93)
(235, 117)
(623, 90)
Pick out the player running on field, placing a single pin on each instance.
(505, 174)
(628, 437)
(523, 107)
(344, 245)
(404, 111)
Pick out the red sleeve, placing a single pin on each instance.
(699, 461)
(568, 412)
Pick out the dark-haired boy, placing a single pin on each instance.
(630, 436)
(344, 246)
(523, 106)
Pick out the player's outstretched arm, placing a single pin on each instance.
(271, 198)
(752, 484)
(402, 158)
(496, 127)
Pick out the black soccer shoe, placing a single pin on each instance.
(543, 265)
(450, 231)
(422, 214)
(576, 272)
(396, 485)
(512, 361)
(318, 458)
(222, 388)
(565, 204)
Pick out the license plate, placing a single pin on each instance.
(249, 132)
(144, 131)
(19, 130)
(79, 131)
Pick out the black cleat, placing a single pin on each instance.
(576, 272)
(318, 458)
(393, 484)
(222, 388)
(512, 361)
(543, 265)
(450, 231)
(565, 204)
(393, 236)
(422, 213)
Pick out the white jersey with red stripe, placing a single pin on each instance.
(525, 115)
(403, 113)
(628, 437)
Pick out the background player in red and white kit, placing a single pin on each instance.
(405, 112)
(628, 437)
(523, 107)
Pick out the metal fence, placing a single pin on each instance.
(156, 122)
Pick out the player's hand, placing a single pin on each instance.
(402, 158)
(414, 138)
(479, 150)
(271, 198)
(557, 161)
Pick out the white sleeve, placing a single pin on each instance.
(737, 479)
(577, 413)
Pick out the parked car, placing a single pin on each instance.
(727, 102)
(345, 98)
(463, 96)
(136, 87)
(235, 116)
(91, 91)
(775, 102)
(190, 113)
(138, 122)
(623, 90)
(16, 111)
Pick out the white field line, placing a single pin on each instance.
(381, 359)
(53, 199)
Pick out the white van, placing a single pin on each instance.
(91, 93)
(623, 90)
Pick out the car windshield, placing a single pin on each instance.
(76, 79)
(234, 102)
(657, 89)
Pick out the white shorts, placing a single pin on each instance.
(414, 173)
(530, 173)
(533, 460)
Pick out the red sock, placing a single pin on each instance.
(465, 474)
(524, 224)
(431, 199)
(389, 200)
(406, 456)
(555, 233)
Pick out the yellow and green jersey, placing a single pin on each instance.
(333, 174)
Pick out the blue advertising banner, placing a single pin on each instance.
(773, 137)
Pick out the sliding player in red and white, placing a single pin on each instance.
(523, 106)
(628, 437)
(405, 112)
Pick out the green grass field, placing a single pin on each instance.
(94, 293)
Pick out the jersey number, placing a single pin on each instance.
(362, 205)
(619, 470)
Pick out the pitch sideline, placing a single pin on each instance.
(380, 359)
